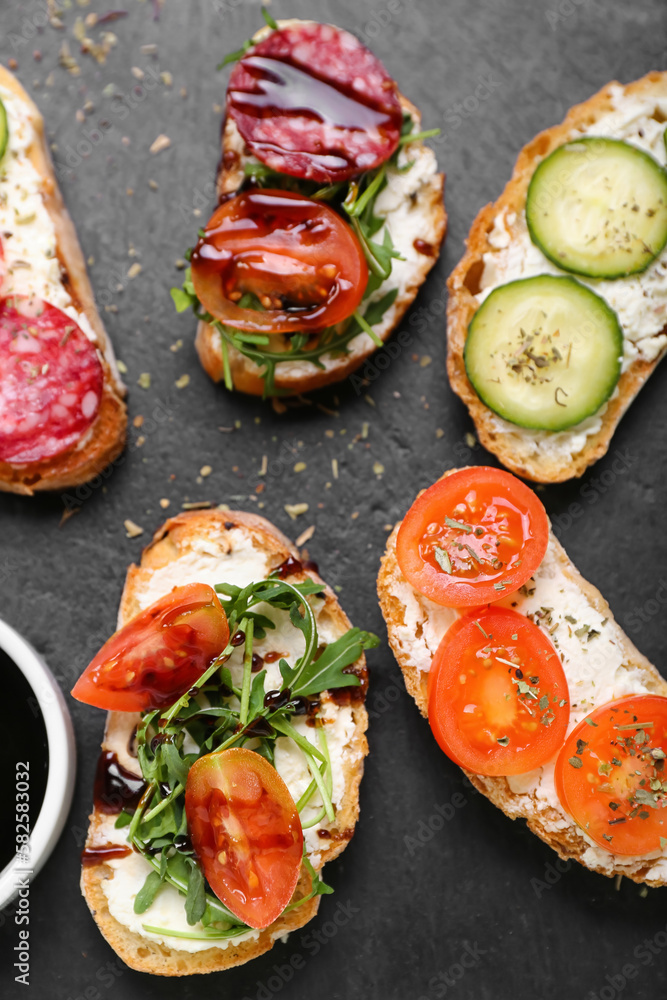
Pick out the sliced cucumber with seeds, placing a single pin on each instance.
(4, 130)
(544, 352)
(598, 207)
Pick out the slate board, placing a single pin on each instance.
(406, 911)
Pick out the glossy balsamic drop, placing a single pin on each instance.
(257, 663)
(289, 567)
(104, 852)
(24, 736)
(292, 566)
(115, 787)
(421, 246)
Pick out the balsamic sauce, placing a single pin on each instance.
(26, 743)
(115, 787)
(421, 246)
(353, 695)
(104, 852)
(274, 656)
(285, 90)
(292, 566)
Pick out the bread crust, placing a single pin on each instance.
(567, 842)
(291, 378)
(463, 285)
(169, 542)
(105, 440)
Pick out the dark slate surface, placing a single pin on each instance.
(411, 900)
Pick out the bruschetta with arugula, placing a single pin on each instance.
(234, 747)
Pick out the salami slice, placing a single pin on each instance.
(51, 381)
(312, 101)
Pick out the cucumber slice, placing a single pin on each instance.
(4, 130)
(598, 207)
(544, 352)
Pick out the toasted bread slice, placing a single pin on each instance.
(529, 453)
(201, 546)
(596, 675)
(418, 212)
(105, 440)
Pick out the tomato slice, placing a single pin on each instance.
(498, 701)
(158, 655)
(611, 777)
(472, 538)
(246, 831)
(299, 263)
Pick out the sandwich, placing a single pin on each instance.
(233, 750)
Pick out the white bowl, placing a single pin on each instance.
(62, 760)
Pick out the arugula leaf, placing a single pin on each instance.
(376, 310)
(320, 888)
(177, 767)
(160, 821)
(195, 901)
(327, 671)
(257, 695)
(148, 892)
(166, 823)
(249, 43)
(272, 23)
(182, 299)
(235, 56)
(123, 819)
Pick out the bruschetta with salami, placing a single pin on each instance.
(62, 410)
(330, 214)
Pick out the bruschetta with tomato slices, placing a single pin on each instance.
(557, 311)
(233, 751)
(527, 681)
(330, 214)
(62, 410)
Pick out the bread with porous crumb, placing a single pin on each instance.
(515, 449)
(105, 439)
(174, 541)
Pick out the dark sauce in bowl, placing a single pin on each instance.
(24, 737)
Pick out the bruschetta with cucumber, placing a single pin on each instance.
(558, 311)
(527, 681)
(233, 751)
(330, 214)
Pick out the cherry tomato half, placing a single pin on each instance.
(157, 656)
(296, 256)
(498, 701)
(246, 832)
(611, 776)
(472, 538)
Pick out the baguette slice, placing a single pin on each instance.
(201, 541)
(105, 440)
(416, 625)
(425, 220)
(517, 450)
